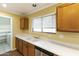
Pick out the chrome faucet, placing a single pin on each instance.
(37, 37)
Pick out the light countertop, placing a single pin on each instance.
(54, 47)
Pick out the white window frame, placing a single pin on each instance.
(32, 26)
(42, 21)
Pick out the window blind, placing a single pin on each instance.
(44, 24)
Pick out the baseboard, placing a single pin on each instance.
(13, 49)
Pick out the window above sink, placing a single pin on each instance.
(46, 23)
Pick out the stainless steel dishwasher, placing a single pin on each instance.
(42, 52)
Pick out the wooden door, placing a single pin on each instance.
(25, 48)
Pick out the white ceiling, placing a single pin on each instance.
(23, 8)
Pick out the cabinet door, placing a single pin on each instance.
(68, 17)
(24, 23)
(25, 48)
(31, 50)
(17, 46)
(20, 46)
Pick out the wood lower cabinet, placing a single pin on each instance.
(19, 45)
(17, 40)
(28, 49)
(31, 50)
(25, 48)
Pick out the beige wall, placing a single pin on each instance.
(15, 23)
(68, 36)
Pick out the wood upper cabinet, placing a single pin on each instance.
(68, 17)
(24, 23)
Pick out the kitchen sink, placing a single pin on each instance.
(33, 39)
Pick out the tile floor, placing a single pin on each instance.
(11, 53)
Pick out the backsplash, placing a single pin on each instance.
(71, 38)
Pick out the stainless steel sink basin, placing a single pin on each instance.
(32, 39)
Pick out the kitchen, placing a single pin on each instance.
(44, 29)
